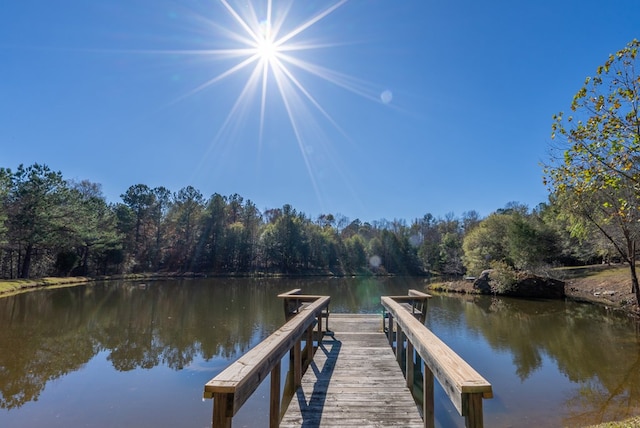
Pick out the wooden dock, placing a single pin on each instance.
(354, 380)
(349, 372)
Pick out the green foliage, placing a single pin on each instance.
(503, 277)
(485, 244)
(511, 236)
(597, 176)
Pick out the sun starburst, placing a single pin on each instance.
(269, 44)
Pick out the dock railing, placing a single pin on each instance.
(462, 384)
(233, 386)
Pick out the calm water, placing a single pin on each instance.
(124, 355)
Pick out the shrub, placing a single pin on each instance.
(503, 277)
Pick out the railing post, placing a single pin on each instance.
(274, 401)
(427, 398)
(399, 343)
(221, 404)
(472, 410)
(409, 364)
(390, 328)
(310, 344)
(297, 363)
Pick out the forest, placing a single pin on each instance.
(52, 226)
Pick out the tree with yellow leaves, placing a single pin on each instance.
(597, 175)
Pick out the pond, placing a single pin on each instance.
(118, 354)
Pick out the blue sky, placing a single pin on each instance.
(372, 108)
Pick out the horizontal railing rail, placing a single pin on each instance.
(462, 384)
(231, 388)
(416, 302)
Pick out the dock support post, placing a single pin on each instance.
(274, 401)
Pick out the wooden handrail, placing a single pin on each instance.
(462, 384)
(231, 388)
(416, 301)
(294, 301)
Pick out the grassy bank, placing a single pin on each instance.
(629, 423)
(606, 285)
(13, 286)
(10, 287)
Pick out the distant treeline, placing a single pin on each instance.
(51, 226)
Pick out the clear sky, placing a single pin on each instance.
(367, 108)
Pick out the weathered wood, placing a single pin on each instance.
(297, 363)
(294, 302)
(222, 410)
(309, 344)
(409, 365)
(428, 408)
(241, 378)
(399, 342)
(415, 302)
(456, 376)
(472, 407)
(355, 381)
(274, 400)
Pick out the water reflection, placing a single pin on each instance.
(50, 334)
(597, 353)
(550, 363)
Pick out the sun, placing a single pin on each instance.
(267, 44)
(266, 47)
(266, 50)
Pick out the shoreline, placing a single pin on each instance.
(603, 285)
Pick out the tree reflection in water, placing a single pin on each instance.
(595, 349)
(49, 334)
(594, 355)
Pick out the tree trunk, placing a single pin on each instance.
(634, 282)
(635, 287)
(26, 263)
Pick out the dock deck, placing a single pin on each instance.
(354, 380)
(353, 376)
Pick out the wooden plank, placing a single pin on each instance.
(354, 381)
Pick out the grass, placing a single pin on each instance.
(629, 423)
(13, 286)
(597, 271)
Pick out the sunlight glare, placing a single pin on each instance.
(265, 41)
(266, 47)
